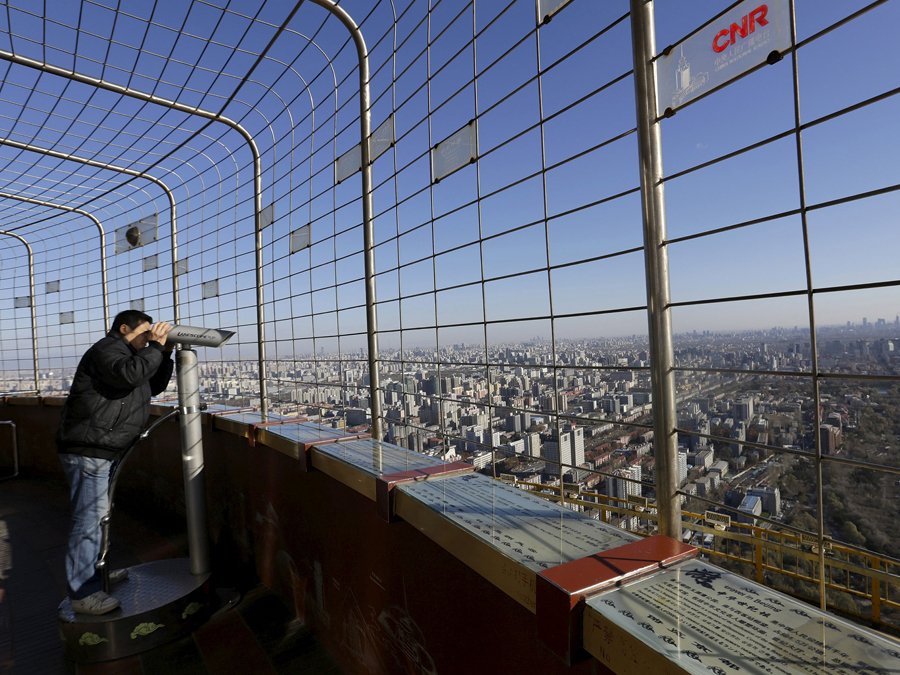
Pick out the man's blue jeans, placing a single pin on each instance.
(88, 493)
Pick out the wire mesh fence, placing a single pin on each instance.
(202, 162)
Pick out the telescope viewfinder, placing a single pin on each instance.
(200, 337)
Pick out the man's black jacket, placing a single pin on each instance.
(109, 402)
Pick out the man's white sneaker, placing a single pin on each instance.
(95, 603)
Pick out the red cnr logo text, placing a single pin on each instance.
(728, 36)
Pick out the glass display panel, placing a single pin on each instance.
(708, 620)
(532, 531)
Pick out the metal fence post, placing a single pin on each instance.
(657, 269)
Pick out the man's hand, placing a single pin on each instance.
(159, 331)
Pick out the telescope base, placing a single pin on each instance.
(159, 602)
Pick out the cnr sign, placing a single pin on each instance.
(748, 23)
(748, 34)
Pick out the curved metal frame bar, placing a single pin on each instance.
(130, 172)
(365, 131)
(34, 345)
(368, 229)
(101, 231)
(215, 117)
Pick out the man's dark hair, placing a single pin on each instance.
(131, 318)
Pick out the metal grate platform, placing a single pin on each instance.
(159, 602)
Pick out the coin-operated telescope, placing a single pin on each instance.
(198, 337)
(188, 380)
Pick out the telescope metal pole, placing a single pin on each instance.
(188, 380)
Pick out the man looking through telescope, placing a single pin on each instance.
(106, 410)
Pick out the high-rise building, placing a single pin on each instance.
(526, 421)
(620, 487)
(750, 507)
(567, 448)
(474, 438)
(743, 409)
(516, 447)
(576, 444)
(532, 444)
(770, 496)
(682, 465)
(829, 439)
(550, 452)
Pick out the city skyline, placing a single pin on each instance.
(743, 435)
(226, 353)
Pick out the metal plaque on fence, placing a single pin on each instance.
(300, 239)
(720, 521)
(638, 502)
(454, 152)
(347, 164)
(547, 8)
(210, 289)
(381, 139)
(267, 216)
(136, 234)
(723, 49)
